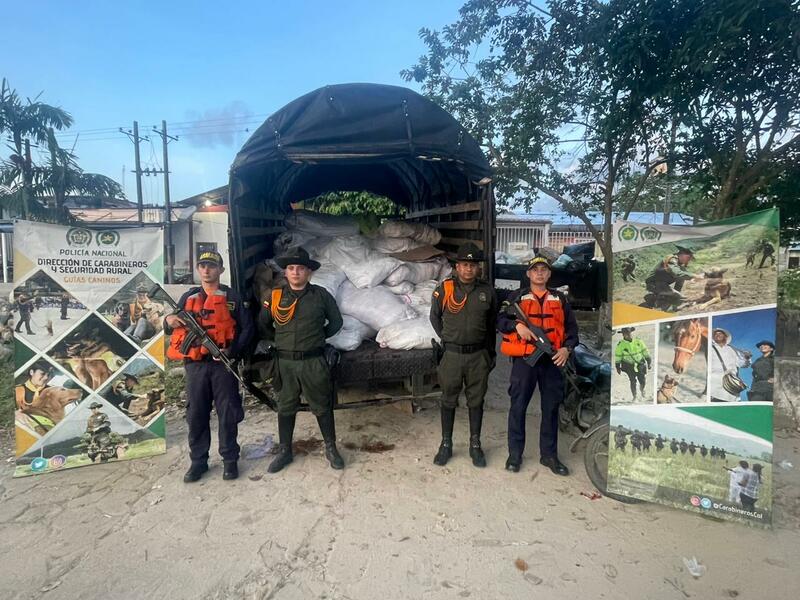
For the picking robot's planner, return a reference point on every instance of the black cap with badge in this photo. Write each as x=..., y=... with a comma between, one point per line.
x=211, y=257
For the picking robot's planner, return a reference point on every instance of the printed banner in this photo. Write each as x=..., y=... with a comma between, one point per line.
x=694, y=317
x=89, y=346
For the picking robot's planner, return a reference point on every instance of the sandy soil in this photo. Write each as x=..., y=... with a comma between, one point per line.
x=391, y=525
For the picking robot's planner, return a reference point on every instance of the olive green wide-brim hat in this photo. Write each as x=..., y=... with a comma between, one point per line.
x=468, y=252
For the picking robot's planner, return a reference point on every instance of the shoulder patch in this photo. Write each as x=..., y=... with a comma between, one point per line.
x=482, y=296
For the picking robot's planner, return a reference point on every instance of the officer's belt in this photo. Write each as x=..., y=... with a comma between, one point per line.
x=465, y=349
x=290, y=355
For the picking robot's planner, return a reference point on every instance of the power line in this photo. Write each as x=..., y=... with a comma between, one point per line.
x=234, y=120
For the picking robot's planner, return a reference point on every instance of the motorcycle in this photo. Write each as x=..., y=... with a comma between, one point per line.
x=587, y=400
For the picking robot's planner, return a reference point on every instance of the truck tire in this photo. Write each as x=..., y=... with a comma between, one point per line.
x=595, y=459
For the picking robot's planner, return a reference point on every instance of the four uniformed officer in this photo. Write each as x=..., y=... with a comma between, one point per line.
x=208, y=383
x=463, y=312
x=550, y=311
x=304, y=315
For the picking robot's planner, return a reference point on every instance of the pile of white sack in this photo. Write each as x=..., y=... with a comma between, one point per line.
x=380, y=297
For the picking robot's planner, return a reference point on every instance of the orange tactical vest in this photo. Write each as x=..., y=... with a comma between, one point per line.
x=549, y=316
x=214, y=316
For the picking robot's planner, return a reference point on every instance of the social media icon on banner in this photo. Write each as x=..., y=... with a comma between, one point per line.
x=58, y=461
x=38, y=464
x=705, y=503
x=695, y=500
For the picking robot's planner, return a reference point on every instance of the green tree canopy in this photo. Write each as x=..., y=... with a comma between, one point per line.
x=708, y=88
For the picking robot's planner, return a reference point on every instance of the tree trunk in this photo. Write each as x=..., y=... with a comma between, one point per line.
x=26, y=180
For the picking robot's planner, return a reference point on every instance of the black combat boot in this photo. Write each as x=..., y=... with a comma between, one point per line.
x=475, y=450
x=513, y=463
x=195, y=472
x=445, y=452
x=327, y=426
x=285, y=433
x=230, y=470
x=555, y=465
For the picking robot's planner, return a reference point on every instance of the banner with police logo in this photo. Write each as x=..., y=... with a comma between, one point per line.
x=89, y=345
x=694, y=318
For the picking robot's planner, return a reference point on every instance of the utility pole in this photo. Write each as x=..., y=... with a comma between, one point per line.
x=170, y=253
x=134, y=136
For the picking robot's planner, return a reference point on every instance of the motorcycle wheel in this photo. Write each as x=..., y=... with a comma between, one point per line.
x=595, y=459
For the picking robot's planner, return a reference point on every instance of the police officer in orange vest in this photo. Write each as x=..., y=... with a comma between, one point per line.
x=220, y=311
x=549, y=310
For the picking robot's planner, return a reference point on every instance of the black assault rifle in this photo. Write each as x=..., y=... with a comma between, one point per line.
x=541, y=343
x=197, y=336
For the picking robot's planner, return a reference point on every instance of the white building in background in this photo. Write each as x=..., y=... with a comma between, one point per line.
x=199, y=223
x=518, y=229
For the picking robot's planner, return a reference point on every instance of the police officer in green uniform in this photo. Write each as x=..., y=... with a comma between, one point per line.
x=632, y=357
x=304, y=315
x=666, y=281
x=463, y=312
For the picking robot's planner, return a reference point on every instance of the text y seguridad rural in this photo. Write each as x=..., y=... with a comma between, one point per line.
x=103, y=266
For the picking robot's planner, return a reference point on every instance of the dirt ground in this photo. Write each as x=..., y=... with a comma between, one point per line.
x=391, y=525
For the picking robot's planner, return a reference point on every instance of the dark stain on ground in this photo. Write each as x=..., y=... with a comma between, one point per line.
x=302, y=447
x=371, y=447
x=360, y=426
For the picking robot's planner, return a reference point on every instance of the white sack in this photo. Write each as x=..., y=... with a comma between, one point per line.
x=376, y=307
x=363, y=266
x=328, y=276
x=389, y=245
x=422, y=295
x=407, y=335
x=352, y=333
x=401, y=289
x=415, y=272
x=315, y=246
x=406, y=229
x=289, y=240
x=321, y=224
x=445, y=270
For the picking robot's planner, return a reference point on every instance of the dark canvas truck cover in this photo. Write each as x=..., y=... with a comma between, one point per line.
x=383, y=139
x=361, y=137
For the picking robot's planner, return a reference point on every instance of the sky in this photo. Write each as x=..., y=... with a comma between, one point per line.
x=229, y=64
